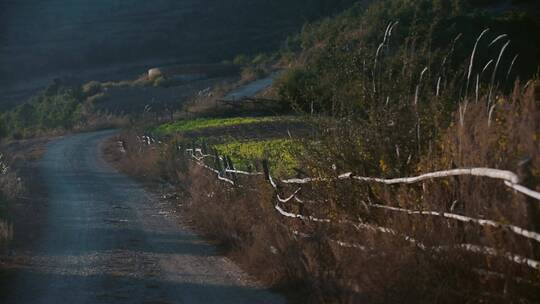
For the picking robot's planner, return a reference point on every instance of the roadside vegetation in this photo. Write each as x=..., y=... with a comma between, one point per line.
x=205, y=123
x=391, y=89
x=386, y=89
x=10, y=188
x=60, y=108
x=281, y=154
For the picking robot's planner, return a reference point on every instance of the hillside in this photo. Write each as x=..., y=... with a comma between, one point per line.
x=112, y=40
x=406, y=168
x=361, y=151
x=335, y=61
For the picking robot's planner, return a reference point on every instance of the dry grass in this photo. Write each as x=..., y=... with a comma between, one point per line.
x=246, y=222
x=207, y=101
x=99, y=121
x=11, y=185
x=243, y=222
x=11, y=188
x=391, y=269
x=305, y=256
x=137, y=160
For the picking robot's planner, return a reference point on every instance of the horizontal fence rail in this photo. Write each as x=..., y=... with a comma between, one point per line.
x=483, y=172
x=509, y=178
x=482, y=222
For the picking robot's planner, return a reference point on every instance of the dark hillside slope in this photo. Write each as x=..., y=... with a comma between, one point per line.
x=335, y=61
x=44, y=39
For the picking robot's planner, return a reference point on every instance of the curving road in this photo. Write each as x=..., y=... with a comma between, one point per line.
x=106, y=240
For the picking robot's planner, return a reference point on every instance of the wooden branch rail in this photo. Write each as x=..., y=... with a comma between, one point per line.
x=297, y=233
x=518, y=259
x=486, y=223
x=510, y=179
x=482, y=172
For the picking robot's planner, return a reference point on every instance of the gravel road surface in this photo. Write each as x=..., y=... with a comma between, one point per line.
x=106, y=240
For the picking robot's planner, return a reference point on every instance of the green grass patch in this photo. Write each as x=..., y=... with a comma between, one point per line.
x=205, y=123
x=279, y=152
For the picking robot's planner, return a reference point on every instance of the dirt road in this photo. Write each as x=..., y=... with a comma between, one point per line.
x=106, y=240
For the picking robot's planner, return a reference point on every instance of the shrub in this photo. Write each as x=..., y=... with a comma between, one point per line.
x=56, y=108
x=259, y=59
x=60, y=111
x=341, y=65
x=378, y=269
x=279, y=152
x=241, y=60
x=296, y=88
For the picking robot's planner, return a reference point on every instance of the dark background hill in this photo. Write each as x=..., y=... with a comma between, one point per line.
x=41, y=40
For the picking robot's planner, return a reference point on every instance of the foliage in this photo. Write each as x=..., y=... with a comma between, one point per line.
x=390, y=76
x=280, y=153
x=3, y=127
x=390, y=104
x=241, y=60
x=59, y=111
x=345, y=65
x=297, y=87
x=58, y=107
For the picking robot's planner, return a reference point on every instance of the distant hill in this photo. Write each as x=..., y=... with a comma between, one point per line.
x=40, y=40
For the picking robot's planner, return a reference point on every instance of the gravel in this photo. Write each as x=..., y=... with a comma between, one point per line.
x=107, y=240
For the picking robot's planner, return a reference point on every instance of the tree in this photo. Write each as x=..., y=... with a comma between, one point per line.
x=24, y=116
x=59, y=111
x=3, y=127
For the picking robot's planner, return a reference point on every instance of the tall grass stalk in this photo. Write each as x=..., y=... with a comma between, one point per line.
x=452, y=49
x=392, y=28
x=495, y=71
x=386, y=32
x=477, y=88
x=497, y=39
x=510, y=68
x=387, y=35
x=416, y=95
x=486, y=67
x=471, y=63
x=490, y=115
x=417, y=91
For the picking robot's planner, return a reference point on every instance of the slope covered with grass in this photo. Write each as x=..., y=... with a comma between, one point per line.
x=392, y=91
x=280, y=153
x=398, y=89
x=369, y=54
x=188, y=125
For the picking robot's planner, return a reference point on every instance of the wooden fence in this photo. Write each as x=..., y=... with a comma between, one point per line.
x=225, y=171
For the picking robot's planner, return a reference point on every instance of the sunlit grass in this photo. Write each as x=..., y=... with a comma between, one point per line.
x=206, y=123
x=280, y=154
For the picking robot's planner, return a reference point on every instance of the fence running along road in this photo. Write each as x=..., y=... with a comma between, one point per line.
x=226, y=172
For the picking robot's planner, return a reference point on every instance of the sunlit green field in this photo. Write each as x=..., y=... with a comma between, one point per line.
x=206, y=123
x=280, y=153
